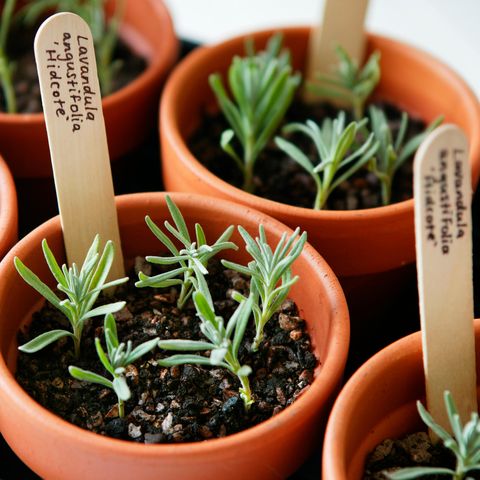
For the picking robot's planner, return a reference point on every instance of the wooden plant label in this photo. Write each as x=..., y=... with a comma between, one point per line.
x=342, y=23
x=442, y=191
x=72, y=105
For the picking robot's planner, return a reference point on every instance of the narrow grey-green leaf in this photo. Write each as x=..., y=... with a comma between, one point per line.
x=183, y=359
x=177, y=217
x=37, y=284
x=185, y=345
x=87, y=376
x=43, y=340
x=120, y=387
x=412, y=473
x=103, y=357
x=141, y=350
x=52, y=264
x=161, y=236
x=104, y=309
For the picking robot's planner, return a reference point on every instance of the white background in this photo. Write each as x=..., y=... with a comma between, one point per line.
x=449, y=29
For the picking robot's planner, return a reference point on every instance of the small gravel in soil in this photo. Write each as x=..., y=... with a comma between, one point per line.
x=414, y=450
x=180, y=403
x=279, y=178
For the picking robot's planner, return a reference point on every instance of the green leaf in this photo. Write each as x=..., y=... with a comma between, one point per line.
x=416, y=472
x=228, y=108
x=110, y=324
x=244, y=310
x=244, y=371
x=92, y=254
x=141, y=350
x=167, y=260
x=87, y=376
x=103, y=357
x=235, y=266
x=104, y=310
x=185, y=345
x=200, y=235
x=103, y=266
x=37, y=284
x=430, y=422
x=296, y=154
x=225, y=236
x=204, y=309
x=177, y=218
x=52, y=264
x=183, y=359
x=217, y=355
x=43, y=340
x=120, y=387
x=161, y=236
x=158, y=280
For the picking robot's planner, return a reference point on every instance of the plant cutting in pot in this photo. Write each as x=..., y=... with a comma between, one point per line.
x=367, y=247
x=379, y=400
x=147, y=31
x=272, y=449
x=213, y=342
x=23, y=139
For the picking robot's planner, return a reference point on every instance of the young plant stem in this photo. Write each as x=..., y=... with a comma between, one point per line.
x=77, y=335
x=246, y=393
x=185, y=293
x=5, y=65
x=386, y=190
x=248, y=165
x=357, y=105
x=121, y=408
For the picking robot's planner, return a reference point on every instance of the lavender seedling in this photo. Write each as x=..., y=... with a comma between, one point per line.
x=193, y=258
x=262, y=85
x=339, y=157
x=104, y=32
x=6, y=66
x=464, y=444
x=270, y=274
x=115, y=361
x=81, y=288
x=391, y=155
x=223, y=341
x=350, y=83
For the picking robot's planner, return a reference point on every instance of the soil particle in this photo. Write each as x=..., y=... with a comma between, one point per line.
x=179, y=403
x=414, y=450
x=279, y=178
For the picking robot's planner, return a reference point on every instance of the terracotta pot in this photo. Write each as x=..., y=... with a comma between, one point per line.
x=56, y=449
x=378, y=402
x=8, y=209
x=353, y=242
x=147, y=29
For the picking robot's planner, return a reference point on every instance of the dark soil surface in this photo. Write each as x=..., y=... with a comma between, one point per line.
x=25, y=79
x=180, y=403
x=415, y=450
x=279, y=178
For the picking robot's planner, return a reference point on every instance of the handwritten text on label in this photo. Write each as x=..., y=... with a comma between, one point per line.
x=69, y=75
x=445, y=205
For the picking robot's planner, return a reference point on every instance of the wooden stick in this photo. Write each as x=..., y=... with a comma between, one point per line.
x=342, y=23
x=442, y=191
x=72, y=105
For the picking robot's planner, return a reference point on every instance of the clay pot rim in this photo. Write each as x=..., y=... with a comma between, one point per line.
x=170, y=128
x=325, y=381
x=8, y=208
x=161, y=59
x=384, y=360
